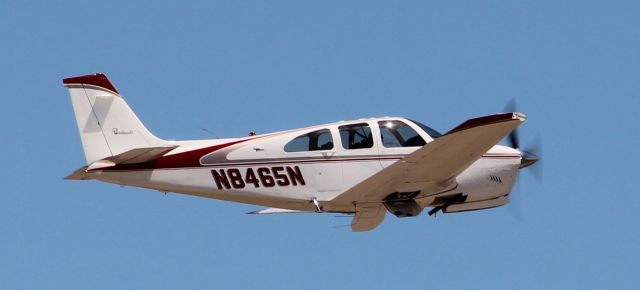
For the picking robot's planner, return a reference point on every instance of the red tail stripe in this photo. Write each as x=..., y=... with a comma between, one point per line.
x=97, y=79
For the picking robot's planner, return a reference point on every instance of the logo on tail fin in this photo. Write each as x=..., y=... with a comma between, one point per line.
x=117, y=131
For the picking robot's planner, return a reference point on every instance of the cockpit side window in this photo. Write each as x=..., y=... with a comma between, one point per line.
x=314, y=141
x=395, y=133
x=356, y=136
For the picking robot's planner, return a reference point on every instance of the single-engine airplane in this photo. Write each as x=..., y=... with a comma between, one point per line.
x=362, y=167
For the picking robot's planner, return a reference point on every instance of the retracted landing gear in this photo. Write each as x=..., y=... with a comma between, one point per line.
x=446, y=201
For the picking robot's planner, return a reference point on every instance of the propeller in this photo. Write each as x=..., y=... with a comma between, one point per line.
x=531, y=154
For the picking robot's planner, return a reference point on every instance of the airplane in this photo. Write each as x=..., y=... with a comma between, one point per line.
x=363, y=167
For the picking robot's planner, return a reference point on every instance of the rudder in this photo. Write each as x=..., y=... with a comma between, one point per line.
x=106, y=123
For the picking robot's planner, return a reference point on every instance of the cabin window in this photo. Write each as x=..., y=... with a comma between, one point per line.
x=395, y=133
x=314, y=141
x=356, y=136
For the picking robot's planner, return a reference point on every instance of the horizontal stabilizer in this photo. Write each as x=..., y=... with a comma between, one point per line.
x=140, y=155
x=79, y=174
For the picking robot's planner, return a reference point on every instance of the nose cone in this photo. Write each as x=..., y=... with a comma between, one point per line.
x=528, y=159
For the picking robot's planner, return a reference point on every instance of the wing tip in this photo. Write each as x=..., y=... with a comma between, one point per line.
x=490, y=119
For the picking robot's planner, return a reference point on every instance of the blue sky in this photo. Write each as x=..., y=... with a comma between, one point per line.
x=239, y=66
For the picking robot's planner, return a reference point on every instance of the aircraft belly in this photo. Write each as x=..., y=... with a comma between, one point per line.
x=199, y=182
x=191, y=180
x=303, y=182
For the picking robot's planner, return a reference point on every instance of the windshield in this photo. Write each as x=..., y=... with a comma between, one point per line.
x=394, y=133
x=433, y=133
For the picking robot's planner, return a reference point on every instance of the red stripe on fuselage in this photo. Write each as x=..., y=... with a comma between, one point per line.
x=179, y=160
x=191, y=159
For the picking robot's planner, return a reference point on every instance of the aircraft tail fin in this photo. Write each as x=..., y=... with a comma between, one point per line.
x=108, y=127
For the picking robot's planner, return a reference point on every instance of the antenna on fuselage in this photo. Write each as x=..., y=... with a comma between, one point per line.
x=210, y=133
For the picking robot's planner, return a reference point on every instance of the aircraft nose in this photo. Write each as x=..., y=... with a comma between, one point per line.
x=528, y=159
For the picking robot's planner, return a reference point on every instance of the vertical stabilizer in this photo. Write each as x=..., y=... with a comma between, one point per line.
x=107, y=125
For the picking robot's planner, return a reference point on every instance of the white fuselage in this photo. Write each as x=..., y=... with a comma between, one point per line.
x=261, y=170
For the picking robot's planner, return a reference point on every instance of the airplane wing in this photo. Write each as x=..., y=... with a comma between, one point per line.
x=368, y=216
x=274, y=210
x=434, y=167
x=140, y=155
